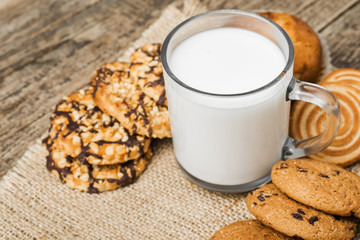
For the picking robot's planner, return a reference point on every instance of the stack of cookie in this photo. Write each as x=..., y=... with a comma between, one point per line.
x=308, y=199
x=308, y=120
x=99, y=138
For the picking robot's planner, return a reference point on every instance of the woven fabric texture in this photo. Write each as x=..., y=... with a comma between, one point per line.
x=162, y=204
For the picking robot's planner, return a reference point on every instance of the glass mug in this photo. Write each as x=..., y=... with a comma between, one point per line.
x=229, y=142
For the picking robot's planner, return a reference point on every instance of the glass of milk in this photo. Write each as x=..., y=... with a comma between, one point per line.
x=229, y=81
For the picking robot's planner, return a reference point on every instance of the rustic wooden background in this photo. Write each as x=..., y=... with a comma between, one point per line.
x=50, y=48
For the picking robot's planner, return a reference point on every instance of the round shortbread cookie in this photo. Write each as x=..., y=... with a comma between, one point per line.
x=324, y=186
x=274, y=209
x=308, y=120
x=119, y=96
x=91, y=178
x=344, y=75
x=248, y=230
x=307, y=46
x=146, y=70
x=85, y=132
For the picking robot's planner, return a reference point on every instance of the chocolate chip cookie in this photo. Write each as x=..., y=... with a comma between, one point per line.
x=146, y=70
x=248, y=230
x=86, y=133
x=119, y=96
x=274, y=209
x=83, y=176
x=321, y=185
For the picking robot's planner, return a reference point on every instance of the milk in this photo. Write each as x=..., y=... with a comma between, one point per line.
x=230, y=140
x=227, y=60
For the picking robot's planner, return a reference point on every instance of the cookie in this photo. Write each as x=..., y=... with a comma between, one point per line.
x=119, y=96
x=86, y=177
x=274, y=209
x=248, y=230
x=146, y=70
x=85, y=132
x=307, y=46
x=344, y=76
x=308, y=120
x=324, y=186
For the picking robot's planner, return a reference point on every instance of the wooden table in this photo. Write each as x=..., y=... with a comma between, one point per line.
x=50, y=48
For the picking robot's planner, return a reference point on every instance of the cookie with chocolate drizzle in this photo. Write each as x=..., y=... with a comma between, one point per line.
x=146, y=70
x=84, y=132
x=274, y=209
x=119, y=96
x=86, y=177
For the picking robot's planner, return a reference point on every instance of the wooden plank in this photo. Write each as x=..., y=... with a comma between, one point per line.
x=343, y=38
x=317, y=13
x=42, y=64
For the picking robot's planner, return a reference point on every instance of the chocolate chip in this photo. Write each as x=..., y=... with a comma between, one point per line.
x=297, y=216
x=69, y=159
x=276, y=194
x=323, y=175
x=267, y=196
x=301, y=211
x=313, y=219
x=337, y=172
x=254, y=203
x=261, y=198
x=302, y=170
x=283, y=165
x=93, y=130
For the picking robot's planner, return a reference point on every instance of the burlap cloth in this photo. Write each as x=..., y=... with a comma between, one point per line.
x=162, y=204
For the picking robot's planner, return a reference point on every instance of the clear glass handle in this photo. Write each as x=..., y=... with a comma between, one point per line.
x=321, y=97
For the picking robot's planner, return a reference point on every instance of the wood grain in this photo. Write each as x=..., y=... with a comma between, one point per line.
x=51, y=48
x=343, y=38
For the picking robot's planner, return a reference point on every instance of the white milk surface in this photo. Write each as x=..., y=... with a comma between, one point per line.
x=221, y=140
x=227, y=60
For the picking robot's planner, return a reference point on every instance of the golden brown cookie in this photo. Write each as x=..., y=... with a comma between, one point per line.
x=307, y=46
x=84, y=132
x=248, y=230
x=274, y=209
x=324, y=186
x=344, y=76
x=119, y=96
x=86, y=177
x=146, y=70
x=308, y=120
